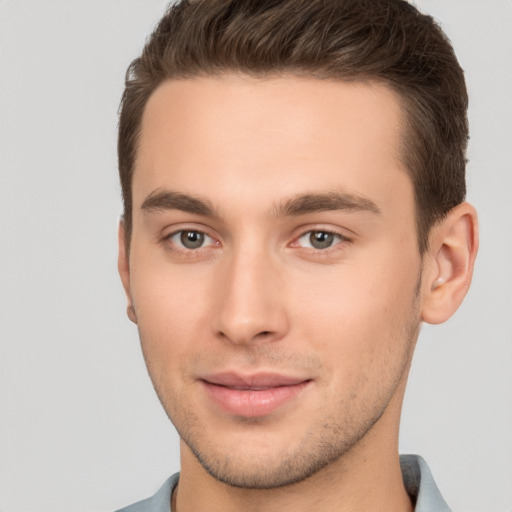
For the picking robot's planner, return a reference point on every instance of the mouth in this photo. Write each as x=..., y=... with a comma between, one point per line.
x=253, y=395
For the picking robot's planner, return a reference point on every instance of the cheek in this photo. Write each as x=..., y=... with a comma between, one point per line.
x=363, y=332
x=359, y=312
x=172, y=309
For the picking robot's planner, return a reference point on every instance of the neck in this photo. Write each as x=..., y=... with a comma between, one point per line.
x=372, y=487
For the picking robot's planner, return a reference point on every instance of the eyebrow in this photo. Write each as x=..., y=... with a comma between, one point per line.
x=310, y=203
x=161, y=200
x=171, y=200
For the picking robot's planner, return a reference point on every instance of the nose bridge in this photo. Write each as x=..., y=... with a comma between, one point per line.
x=250, y=297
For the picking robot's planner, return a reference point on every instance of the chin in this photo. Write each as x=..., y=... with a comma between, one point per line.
x=259, y=464
x=250, y=474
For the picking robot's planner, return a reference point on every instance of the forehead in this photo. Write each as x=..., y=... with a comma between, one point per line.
x=283, y=135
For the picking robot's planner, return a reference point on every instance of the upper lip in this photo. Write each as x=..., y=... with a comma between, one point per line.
x=252, y=381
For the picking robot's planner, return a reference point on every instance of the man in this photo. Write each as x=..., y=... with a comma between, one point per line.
x=293, y=182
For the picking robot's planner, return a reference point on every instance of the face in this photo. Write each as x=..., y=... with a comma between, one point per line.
x=274, y=270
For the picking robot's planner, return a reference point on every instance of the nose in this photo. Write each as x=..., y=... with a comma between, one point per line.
x=250, y=300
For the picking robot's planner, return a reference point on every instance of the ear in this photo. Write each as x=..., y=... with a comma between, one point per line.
x=123, y=265
x=448, y=269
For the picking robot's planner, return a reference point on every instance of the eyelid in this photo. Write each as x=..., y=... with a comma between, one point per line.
x=166, y=238
x=338, y=232
x=206, y=237
x=307, y=244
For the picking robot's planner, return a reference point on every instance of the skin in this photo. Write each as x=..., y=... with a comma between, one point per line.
x=239, y=160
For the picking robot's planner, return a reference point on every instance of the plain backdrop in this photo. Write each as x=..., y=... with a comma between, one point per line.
x=80, y=426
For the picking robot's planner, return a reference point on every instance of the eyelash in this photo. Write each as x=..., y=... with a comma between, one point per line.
x=168, y=242
x=340, y=239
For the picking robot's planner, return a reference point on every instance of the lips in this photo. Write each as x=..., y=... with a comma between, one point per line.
x=252, y=395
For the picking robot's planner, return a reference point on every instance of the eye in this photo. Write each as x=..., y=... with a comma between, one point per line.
x=190, y=239
x=319, y=239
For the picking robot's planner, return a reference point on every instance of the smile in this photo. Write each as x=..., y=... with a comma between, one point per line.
x=252, y=396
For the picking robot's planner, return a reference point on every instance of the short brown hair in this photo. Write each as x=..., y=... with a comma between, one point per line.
x=384, y=40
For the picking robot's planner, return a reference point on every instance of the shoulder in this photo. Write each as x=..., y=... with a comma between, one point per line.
x=159, y=502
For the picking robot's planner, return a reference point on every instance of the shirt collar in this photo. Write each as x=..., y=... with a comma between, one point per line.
x=418, y=482
x=420, y=485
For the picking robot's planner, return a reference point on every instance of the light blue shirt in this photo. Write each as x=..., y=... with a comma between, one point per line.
x=416, y=474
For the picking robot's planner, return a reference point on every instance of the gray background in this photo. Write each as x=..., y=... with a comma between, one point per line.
x=81, y=429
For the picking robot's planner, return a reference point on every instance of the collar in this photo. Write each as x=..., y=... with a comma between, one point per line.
x=420, y=485
x=418, y=482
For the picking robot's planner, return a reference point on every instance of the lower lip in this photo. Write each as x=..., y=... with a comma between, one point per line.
x=253, y=403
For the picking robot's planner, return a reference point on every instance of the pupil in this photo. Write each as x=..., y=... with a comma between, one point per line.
x=192, y=239
x=321, y=239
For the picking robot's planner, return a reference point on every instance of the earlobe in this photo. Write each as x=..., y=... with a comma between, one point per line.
x=123, y=266
x=130, y=311
x=452, y=253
